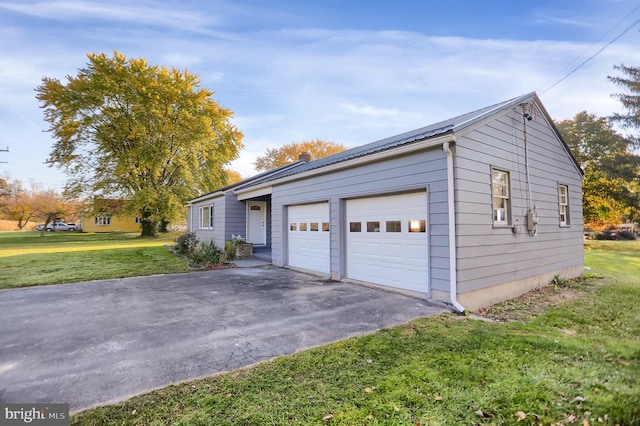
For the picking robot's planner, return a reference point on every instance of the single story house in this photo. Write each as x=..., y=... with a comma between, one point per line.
x=471, y=211
x=107, y=215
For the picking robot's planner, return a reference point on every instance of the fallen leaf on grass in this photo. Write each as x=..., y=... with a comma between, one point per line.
x=368, y=390
x=437, y=397
x=520, y=415
x=585, y=422
x=481, y=413
x=327, y=418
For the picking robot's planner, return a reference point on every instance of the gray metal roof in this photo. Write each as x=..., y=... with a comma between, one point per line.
x=451, y=125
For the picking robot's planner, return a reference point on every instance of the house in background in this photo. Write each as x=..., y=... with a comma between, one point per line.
x=471, y=211
x=106, y=216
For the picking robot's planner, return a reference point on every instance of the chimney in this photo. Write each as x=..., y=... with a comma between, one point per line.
x=304, y=156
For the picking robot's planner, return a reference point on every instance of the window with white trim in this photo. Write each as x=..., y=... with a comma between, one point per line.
x=102, y=220
x=206, y=217
x=500, y=196
x=563, y=204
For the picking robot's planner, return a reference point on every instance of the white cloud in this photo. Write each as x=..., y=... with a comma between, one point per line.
x=116, y=11
x=347, y=86
x=556, y=20
x=370, y=111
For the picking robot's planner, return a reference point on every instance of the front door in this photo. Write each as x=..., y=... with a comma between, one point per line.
x=257, y=222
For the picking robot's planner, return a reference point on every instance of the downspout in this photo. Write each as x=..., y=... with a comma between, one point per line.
x=453, y=275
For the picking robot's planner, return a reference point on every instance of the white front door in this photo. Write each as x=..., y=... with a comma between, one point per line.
x=257, y=222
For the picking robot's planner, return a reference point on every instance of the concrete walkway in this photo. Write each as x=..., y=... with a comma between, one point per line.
x=91, y=343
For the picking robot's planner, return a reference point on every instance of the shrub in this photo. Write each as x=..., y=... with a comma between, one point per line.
x=230, y=249
x=186, y=244
x=207, y=253
x=230, y=246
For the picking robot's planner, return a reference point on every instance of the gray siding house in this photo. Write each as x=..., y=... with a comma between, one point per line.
x=470, y=211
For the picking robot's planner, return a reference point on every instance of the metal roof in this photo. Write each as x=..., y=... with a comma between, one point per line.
x=451, y=125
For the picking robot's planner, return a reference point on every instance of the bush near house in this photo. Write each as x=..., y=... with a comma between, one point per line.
x=186, y=244
x=204, y=253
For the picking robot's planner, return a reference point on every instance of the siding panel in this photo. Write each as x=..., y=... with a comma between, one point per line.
x=489, y=255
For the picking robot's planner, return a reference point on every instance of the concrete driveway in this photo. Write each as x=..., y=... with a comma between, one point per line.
x=90, y=343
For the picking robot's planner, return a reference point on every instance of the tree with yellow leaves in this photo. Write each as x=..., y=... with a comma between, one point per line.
x=148, y=134
x=289, y=153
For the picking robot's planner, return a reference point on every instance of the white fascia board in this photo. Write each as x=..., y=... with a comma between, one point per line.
x=253, y=192
x=369, y=158
x=206, y=197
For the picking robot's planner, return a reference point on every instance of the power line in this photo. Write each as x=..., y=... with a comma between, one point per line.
x=616, y=25
x=4, y=150
x=626, y=30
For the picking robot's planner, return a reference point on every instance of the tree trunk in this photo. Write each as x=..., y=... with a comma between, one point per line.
x=148, y=225
x=163, y=225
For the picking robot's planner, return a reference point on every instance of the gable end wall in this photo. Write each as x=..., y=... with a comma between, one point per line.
x=489, y=256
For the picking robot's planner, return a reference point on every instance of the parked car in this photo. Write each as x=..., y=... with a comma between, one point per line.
x=57, y=226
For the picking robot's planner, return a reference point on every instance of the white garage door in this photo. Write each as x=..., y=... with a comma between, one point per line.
x=308, y=233
x=387, y=241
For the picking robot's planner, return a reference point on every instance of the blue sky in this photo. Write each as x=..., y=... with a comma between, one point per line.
x=347, y=71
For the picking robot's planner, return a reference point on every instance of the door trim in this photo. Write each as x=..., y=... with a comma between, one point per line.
x=259, y=240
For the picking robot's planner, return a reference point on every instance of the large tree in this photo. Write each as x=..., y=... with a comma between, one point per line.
x=611, y=184
x=289, y=153
x=630, y=80
x=148, y=134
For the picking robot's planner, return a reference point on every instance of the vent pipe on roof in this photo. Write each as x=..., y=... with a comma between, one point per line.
x=304, y=156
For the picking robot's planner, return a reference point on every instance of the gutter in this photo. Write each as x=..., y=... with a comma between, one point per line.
x=453, y=274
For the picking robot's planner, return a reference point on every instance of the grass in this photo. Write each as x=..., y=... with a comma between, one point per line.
x=27, y=259
x=575, y=363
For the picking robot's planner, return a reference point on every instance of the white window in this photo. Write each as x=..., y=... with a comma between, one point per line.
x=500, y=196
x=206, y=217
x=102, y=220
x=563, y=204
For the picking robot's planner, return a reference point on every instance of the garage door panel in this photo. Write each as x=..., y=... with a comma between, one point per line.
x=397, y=259
x=308, y=241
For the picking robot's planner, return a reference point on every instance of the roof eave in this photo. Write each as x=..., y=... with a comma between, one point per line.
x=418, y=145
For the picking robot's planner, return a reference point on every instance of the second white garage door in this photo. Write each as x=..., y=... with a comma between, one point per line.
x=308, y=242
x=387, y=241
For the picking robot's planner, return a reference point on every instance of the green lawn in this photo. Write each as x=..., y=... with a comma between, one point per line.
x=577, y=363
x=27, y=259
